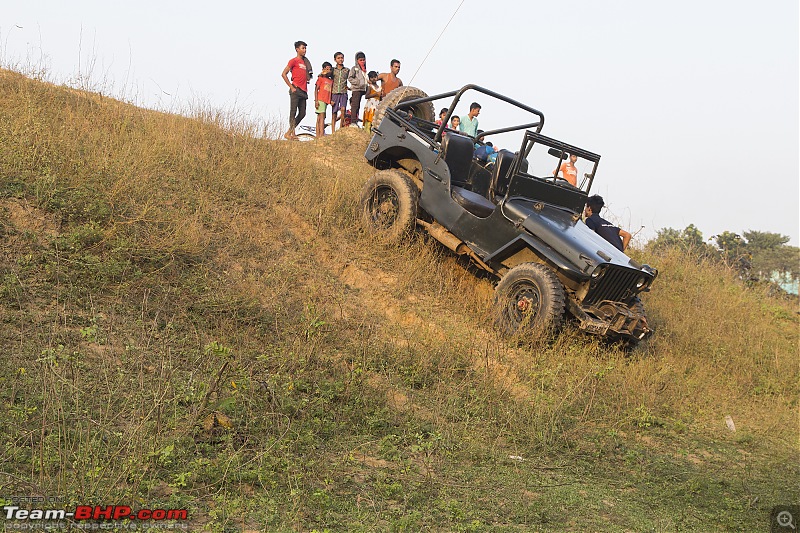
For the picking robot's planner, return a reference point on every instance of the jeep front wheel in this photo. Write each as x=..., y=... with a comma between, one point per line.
x=529, y=299
x=389, y=203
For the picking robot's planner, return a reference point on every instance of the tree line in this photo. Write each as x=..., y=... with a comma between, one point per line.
x=757, y=256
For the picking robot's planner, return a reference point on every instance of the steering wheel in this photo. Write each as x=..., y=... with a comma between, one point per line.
x=564, y=183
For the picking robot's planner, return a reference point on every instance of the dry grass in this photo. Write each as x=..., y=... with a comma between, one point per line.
x=157, y=269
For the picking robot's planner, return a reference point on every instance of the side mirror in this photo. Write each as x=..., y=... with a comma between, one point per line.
x=555, y=152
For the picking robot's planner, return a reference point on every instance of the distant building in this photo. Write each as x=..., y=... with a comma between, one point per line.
x=785, y=281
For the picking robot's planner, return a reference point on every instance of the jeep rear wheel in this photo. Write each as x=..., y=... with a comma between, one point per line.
x=389, y=203
x=529, y=299
x=403, y=94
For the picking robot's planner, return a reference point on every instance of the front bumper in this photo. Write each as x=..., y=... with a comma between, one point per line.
x=611, y=320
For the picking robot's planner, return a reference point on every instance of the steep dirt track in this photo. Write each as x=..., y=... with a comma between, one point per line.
x=382, y=293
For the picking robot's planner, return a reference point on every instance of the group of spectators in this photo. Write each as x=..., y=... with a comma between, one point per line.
x=331, y=88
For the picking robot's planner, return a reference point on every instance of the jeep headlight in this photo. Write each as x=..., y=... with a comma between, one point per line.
x=650, y=270
x=597, y=273
x=641, y=282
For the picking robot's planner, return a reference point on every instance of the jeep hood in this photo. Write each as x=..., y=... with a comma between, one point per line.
x=565, y=233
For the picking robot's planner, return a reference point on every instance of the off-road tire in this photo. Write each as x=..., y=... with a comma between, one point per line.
x=389, y=204
x=529, y=300
x=401, y=94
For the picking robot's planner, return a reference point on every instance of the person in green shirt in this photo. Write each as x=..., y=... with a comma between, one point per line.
x=469, y=122
x=339, y=91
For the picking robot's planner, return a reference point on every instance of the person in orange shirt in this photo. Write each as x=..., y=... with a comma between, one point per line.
x=568, y=170
x=322, y=96
x=389, y=80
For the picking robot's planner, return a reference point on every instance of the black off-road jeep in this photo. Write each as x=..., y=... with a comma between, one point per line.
x=513, y=217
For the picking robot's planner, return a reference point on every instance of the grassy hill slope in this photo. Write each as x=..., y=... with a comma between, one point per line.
x=192, y=318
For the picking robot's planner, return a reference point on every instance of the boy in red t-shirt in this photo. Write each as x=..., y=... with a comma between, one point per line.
x=300, y=67
x=322, y=96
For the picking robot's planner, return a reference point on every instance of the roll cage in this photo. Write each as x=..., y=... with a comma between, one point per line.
x=456, y=95
x=519, y=182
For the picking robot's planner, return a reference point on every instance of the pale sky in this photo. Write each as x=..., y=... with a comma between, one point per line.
x=692, y=104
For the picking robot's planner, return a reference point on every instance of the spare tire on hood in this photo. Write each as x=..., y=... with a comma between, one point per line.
x=425, y=111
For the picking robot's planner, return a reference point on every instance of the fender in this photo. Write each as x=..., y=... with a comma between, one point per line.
x=543, y=250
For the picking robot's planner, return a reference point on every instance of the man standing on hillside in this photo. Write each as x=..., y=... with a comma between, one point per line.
x=358, y=85
x=339, y=95
x=300, y=69
x=389, y=80
x=618, y=237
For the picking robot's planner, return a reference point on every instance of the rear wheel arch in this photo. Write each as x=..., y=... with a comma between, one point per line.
x=412, y=166
x=389, y=203
x=399, y=157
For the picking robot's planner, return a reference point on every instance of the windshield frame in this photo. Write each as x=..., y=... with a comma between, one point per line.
x=531, y=138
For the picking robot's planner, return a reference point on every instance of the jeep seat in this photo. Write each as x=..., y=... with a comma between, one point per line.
x=457, y=150
x=501, y=176
x=473, y=202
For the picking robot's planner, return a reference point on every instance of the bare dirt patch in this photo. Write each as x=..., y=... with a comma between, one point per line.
x=26, y=218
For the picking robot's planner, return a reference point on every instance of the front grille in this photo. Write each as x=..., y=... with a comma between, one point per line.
x=617, y=284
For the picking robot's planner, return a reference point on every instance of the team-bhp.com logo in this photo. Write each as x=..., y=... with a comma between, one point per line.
x=88, y=512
